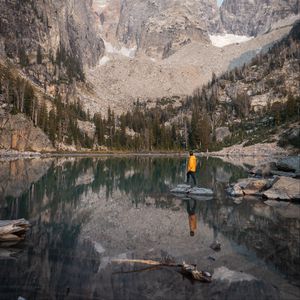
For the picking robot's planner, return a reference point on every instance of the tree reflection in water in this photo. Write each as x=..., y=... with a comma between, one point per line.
x=57, y=263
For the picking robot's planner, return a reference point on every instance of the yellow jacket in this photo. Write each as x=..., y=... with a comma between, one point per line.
x=192, y=165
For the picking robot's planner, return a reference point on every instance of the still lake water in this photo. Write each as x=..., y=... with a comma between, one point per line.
x=85, y=212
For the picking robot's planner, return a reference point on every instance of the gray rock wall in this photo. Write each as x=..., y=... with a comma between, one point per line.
x=18, y=133
x=161, y=27
x=253, y=17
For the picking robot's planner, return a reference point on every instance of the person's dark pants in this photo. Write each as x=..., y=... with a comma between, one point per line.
x=190, y=174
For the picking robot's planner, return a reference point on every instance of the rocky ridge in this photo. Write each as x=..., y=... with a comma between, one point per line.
x=160, y=27
x=18, y=133
x=254, y=17
x=120, y=80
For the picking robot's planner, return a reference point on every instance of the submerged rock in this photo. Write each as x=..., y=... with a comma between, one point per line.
x=233, y=285
x=223, y=273
x=216, y=246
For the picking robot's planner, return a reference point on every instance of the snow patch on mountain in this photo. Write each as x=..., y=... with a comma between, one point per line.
x=228, y=39
x=128, y=52
x=104, y=60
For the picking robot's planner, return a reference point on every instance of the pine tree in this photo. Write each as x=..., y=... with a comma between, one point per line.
x=23, y=58
x=39, y=55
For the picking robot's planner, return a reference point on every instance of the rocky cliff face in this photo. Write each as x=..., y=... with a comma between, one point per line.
x=49, y=38
x=160, y=27
x=253, y=17
x=18, y=133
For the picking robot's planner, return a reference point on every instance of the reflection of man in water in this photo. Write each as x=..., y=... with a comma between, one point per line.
x=192, y=216
x=191, y=168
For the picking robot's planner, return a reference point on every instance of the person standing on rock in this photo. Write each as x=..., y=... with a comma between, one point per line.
x=191, y=168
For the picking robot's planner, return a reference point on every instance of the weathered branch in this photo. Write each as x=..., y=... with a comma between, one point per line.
x=186, y=269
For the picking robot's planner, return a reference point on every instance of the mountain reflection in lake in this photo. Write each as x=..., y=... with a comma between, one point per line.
x=87, y=211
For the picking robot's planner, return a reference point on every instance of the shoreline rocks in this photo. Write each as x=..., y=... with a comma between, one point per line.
x=279, y=187
x=283, y=185
x=285, y=188
x=249, y=186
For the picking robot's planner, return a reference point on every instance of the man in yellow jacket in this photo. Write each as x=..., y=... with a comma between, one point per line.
x=191, y=168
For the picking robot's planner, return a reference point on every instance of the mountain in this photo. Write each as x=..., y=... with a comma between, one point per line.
x=51, y=40
x=45, y=48
x=64, y=63
x=120, y=79
x=160, y=27
x=253, y=103
x=254, y=17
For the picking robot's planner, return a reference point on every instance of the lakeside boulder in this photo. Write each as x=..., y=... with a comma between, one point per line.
x=249, y=186
x=278, y=188
x=289, y=164
x=285, y=188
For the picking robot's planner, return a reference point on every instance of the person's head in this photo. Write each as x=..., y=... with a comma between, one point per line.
x=192, y=233
x=191, y=153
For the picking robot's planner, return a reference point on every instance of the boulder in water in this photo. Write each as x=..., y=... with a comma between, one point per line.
x=181, y=188
x=249, y=186
x=285, y=188
x=186, y=189
x=200, y=191
x=229, y=284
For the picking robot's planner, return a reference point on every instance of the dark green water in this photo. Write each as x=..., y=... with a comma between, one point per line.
x=85, y=212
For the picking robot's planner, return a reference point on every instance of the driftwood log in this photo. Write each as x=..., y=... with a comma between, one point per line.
x=186, y=269
x=13, y=230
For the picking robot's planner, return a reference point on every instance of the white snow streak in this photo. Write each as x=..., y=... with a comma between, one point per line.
x=128, y=52
x=228, y=39
x=104, y=60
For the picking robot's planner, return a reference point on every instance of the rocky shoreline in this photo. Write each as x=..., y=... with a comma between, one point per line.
x=261, y=149
x=273, y=181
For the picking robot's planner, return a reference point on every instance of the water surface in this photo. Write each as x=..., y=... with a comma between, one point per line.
x=85, y=212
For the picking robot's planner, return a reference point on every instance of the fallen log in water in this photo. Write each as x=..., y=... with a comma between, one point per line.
x=186, y=269
x=13, y=230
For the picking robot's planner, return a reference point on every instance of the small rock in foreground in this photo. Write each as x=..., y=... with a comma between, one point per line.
x=216, y=246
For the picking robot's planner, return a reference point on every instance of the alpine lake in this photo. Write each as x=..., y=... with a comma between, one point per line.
x=86, y=212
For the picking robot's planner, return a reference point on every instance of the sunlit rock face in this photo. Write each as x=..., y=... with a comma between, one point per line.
x=253, y=17
x=161, y=27
x=18, y=133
